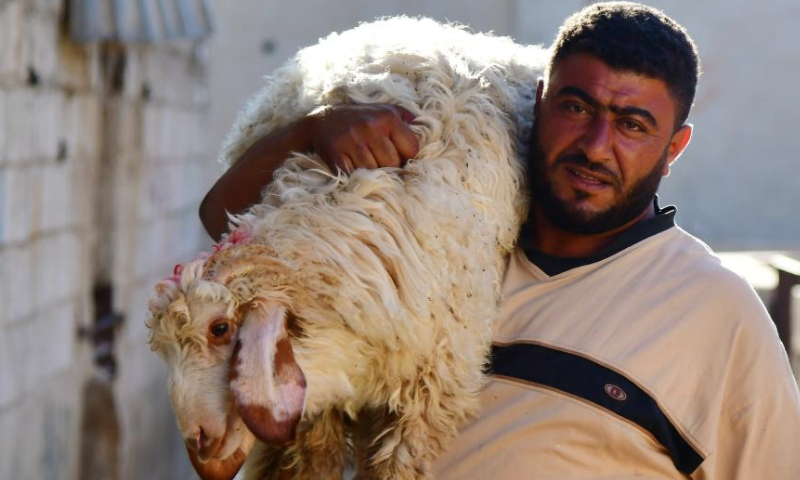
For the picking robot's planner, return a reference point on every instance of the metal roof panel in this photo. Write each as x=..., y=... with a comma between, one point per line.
x=139, y=21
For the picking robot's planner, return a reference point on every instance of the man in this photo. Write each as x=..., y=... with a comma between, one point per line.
x=623, y=348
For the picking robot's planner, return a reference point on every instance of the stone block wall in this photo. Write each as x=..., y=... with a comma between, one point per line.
x=49, y=144
x=103, y=162
x=156, y=123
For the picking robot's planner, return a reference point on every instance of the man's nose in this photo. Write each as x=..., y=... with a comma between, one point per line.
x=597, y=140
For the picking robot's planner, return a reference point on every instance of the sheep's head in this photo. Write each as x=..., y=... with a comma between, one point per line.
x=220, y=325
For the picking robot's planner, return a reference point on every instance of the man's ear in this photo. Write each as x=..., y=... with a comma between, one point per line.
x=539, y=95
x=680, y=140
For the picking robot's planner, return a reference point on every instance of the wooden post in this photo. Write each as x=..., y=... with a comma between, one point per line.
x=781, y=305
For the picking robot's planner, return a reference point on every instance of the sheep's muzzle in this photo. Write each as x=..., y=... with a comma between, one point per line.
x=224, y=469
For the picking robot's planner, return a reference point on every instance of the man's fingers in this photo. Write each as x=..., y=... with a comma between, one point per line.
x=404, y=114
x=402, y=136
x=345, y=163
x=334, y=159
x=405, y=141
x=362, y=156
x=364, y=136
x=385, y=153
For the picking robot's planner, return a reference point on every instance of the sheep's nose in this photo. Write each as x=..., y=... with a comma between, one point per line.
x=198, y=440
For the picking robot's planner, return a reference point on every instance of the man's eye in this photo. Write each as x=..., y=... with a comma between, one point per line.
x=632, y=126
x=219, y=329
x=574, y=108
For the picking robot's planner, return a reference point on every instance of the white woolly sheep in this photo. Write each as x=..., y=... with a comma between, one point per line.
x=361, y=299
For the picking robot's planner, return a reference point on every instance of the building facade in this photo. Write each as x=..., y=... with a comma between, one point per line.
x=102, y=166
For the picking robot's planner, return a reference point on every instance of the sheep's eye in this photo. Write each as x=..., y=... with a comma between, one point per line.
x=219, y=329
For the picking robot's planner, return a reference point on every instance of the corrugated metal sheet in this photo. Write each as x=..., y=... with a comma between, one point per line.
x=139, y=21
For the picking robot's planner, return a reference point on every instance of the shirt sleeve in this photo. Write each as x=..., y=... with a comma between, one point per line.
x=758, y=432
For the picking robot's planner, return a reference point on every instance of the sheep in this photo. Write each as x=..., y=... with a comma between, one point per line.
x=365, y=300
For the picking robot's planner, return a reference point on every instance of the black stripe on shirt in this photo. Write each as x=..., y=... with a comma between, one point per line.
x=591, y=381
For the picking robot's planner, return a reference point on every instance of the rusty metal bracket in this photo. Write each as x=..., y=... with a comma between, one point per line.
x=101, y=332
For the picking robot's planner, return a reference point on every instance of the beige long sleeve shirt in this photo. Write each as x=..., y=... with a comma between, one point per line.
x=652, y=363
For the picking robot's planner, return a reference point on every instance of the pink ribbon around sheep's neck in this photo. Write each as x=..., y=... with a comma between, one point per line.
x=236, y=237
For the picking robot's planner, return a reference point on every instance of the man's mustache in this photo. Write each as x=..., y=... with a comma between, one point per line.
x=582, y=161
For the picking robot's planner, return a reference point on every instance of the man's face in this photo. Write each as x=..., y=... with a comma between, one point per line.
x=602, y=141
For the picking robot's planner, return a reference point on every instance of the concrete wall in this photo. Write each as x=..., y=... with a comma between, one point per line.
x=156, y=160
x=737, y=185
x=45, y=227
x=102, y=166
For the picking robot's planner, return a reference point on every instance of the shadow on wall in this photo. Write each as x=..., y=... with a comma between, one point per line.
x=100, y=432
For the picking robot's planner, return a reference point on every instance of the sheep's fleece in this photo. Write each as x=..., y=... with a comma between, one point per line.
x=357, y=309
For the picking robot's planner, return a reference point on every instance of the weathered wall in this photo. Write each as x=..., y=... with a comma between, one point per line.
x=49, y=145
x=156, y=160
x=102, y=166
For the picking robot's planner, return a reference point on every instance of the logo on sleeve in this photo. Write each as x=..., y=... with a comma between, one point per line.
x=615, y=392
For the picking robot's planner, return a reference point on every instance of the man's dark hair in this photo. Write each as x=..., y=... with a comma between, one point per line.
x=637, y=38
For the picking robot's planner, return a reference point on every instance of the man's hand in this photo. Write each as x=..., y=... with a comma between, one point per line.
x=362, y=136
x=346, y=137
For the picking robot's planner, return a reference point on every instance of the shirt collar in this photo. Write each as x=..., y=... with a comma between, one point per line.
x=552, y=265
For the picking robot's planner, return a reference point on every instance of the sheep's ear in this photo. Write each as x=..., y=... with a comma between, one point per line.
x=224, y=469
x=268, y=386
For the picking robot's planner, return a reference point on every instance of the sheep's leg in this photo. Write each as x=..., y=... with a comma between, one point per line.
x=320, y=449
x=365, y=430
x=406, y=450
x=403, y=452
x=268, y=462
x=420, y=432
x=318, y=452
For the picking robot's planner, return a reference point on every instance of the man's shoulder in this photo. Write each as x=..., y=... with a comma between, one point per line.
x=689, y=265
x=681, y=251
x=716, y=287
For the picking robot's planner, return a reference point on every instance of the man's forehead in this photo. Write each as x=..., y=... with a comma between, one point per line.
x=609, y=86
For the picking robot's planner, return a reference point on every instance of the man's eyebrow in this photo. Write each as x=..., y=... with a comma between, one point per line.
x=636, y=111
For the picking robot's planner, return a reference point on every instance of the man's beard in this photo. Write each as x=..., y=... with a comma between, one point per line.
x=625, y=209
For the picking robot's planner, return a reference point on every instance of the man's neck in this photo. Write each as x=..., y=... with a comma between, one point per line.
x=552, y=240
